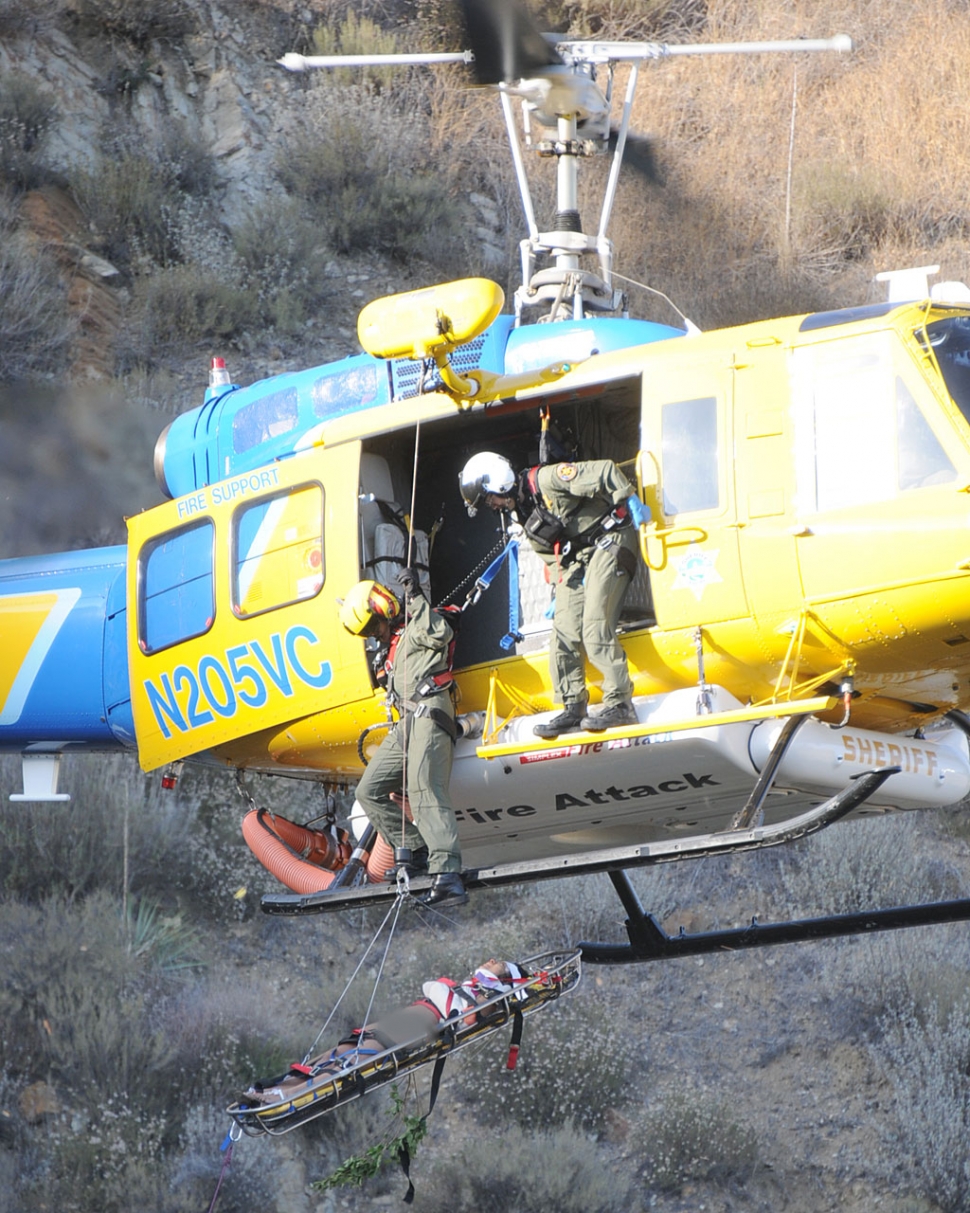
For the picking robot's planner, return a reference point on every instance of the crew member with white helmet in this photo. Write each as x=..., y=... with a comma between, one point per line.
x=577, y=516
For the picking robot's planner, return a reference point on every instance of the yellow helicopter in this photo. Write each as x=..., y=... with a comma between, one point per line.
x=798, y=631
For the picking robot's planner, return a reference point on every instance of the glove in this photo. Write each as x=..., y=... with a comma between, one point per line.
x=638, y=511
x=410, y=583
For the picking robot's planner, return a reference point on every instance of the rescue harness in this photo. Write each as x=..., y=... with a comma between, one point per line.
x=419, y=704
x=547, y=528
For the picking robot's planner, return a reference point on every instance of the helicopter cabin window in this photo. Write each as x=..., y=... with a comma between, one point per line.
x=860, y=435
x=950, y=342
x=278, y=551
x=268, y=417
x=922, y=461
x=335, y=393
x=689, y=453
x=176, y=599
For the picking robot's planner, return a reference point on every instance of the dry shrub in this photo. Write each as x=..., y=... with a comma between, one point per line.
x=530, y=1171
x=135, y=21
x=27, y=115
x=29, y=17
x=572, y=1070
x=359, y=164
x=184, y=303
x=694, y=1136
x=865, y=864
x=636, y=20
x=145, y=200
x=927, y=1059
x=874, y=183
x=35, y=327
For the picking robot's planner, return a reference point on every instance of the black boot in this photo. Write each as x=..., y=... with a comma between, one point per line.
x=447, y=889
x=611, y=718
x=417, y=866
x=569, y=720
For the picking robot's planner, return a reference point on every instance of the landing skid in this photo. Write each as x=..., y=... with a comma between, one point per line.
x=613, y=861
x=649, y=941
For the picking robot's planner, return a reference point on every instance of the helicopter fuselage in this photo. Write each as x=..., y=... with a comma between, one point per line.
x=807, y=479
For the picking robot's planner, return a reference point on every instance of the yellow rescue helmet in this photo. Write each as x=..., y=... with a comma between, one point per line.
x=366, y=603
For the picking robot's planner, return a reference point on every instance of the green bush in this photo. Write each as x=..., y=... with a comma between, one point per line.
x=692, y=1136
x=27, y=114
x=529, y=1171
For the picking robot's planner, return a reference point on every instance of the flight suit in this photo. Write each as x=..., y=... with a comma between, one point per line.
x=422, y=650
x=592, y=582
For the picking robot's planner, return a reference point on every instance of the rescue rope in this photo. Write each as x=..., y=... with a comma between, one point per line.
x=231, y=1137
x=405, y=731
x=394, y=911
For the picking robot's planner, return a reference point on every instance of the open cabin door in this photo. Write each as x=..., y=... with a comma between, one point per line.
x=234, y=587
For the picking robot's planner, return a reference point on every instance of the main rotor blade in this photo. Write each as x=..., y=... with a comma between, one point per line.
x=507, y=44
x=589, y=51
x=301, y=63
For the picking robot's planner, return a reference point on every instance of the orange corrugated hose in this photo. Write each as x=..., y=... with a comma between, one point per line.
x=379, y=860
x=304, y=859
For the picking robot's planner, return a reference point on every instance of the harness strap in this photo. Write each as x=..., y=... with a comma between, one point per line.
x=516, y=1039
x=404, y=1153
x=435, y=715
x=612, y=520
x=485, y=580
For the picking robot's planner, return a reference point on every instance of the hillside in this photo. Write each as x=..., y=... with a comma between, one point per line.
x=168, y=193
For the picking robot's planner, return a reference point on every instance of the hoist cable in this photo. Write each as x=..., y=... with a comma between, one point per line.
x=405, y=731
x=395, y=910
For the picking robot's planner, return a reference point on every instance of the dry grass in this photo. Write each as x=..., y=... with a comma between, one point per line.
x=877, y=164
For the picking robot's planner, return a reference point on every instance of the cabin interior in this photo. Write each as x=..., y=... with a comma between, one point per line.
x=603, y=423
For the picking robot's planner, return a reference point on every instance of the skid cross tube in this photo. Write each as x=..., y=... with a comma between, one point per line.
x=753, y=811
x=649, y=941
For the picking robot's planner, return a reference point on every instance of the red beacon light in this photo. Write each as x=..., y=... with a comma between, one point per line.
x=219, y=380
x=218, y=375
x=171, y=776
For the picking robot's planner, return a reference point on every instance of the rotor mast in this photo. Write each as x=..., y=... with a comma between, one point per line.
x=555, y=79
x=569, y=290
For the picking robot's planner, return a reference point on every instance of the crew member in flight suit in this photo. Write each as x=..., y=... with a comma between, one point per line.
x=415, y=660
x=577, y=517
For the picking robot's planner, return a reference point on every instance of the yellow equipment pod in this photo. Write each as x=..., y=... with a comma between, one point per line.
x=421, y=324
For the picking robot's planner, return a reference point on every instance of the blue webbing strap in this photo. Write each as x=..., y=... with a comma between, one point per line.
x=513, y=635
x=486, y=579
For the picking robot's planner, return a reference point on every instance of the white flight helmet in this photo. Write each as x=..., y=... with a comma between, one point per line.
x=484, y=473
